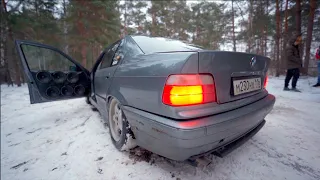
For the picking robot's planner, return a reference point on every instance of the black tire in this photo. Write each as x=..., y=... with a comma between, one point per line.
x=126, y=139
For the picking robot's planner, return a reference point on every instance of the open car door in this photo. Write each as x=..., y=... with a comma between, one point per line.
x=52, y=75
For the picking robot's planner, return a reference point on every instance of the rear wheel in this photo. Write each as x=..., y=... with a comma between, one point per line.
x=121, y=135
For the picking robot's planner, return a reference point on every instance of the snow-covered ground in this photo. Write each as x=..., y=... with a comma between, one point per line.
x=67, y=140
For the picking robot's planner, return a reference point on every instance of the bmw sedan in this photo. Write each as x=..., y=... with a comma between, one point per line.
x=170, y=97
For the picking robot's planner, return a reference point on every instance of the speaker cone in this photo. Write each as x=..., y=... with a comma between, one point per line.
x=52, y=92
x=43, y=76
x=79, y=90
x=67, y=90
x=73, y=77
x=59, y=77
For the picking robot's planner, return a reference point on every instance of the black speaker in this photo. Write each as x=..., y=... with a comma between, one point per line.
x=79, y=90
x=67, y=90
x=73, y=77
x=43, y=77
x=59, y=77
x=52, y=92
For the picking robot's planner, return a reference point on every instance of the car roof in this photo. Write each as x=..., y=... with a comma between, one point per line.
x=160, y=44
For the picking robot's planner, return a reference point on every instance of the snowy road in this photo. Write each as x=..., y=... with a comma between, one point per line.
x=67, y=140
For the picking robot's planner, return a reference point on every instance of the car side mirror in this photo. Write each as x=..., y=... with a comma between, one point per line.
x=117, y=59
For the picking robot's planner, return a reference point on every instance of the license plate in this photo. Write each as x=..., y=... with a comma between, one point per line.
x=246, y=85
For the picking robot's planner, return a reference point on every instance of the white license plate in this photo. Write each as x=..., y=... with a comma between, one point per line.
x=246, y=85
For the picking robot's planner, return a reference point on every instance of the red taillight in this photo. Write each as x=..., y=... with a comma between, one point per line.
x=265, y=83
x=189, y=89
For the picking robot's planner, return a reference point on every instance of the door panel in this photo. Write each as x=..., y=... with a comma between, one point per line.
x=52, y=75
x=103, y=79
x=104, y=75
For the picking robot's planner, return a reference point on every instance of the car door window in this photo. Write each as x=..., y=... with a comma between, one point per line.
x=39, y=58
x=119, y=54
x=126, y=51
x=107, y=59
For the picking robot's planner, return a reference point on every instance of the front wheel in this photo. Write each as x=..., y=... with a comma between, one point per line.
x=121, y=135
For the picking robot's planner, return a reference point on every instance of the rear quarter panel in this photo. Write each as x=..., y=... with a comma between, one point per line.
x=139, y=82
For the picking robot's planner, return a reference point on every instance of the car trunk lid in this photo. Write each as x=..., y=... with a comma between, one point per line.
x=227, y=67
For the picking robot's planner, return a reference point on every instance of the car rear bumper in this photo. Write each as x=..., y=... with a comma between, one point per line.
x=181, y=140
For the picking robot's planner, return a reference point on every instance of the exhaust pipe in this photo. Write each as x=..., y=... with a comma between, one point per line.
x=200, y=162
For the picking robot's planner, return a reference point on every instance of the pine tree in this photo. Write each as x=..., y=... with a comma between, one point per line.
x=133, y=18
x=156, y=11
x=92, y=23
x=209, y=24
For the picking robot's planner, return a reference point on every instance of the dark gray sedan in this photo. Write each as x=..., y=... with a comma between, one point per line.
x=169, y=97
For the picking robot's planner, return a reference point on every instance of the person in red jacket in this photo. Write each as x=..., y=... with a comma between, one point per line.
x=318, y=62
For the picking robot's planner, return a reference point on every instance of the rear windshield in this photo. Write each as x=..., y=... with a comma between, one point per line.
x=159, y=44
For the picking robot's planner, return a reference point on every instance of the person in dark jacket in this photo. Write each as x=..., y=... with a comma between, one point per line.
x=294, y=62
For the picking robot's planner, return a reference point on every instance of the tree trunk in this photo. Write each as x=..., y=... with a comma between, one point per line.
x=233, y=34
x=285, y=36
x=5, y=76
x=266, y=31
x=4, y=73
x=281, y=39
x=65, y=27
x=250, y=26
x=298, y=23
x=153, y=26
x=277, y=37
x=257, y=46
x=125, y=19
x=82, y=32
x=274, y=52
x=262, y=43
x=309, y=34
x=9, y=47
x=298, y=16
x=286, y=17
x=261, y=38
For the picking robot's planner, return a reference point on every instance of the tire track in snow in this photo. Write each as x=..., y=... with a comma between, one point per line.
x=286, y=160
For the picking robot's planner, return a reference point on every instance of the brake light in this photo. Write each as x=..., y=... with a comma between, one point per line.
x=189, y=89
x=265, y=83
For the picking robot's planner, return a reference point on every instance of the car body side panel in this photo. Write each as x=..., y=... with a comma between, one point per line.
x=192, y=65
x=140, y=81
x=103, y=81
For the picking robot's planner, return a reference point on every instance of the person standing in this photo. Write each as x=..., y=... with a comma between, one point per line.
x=294, y=62
x=318, y=62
